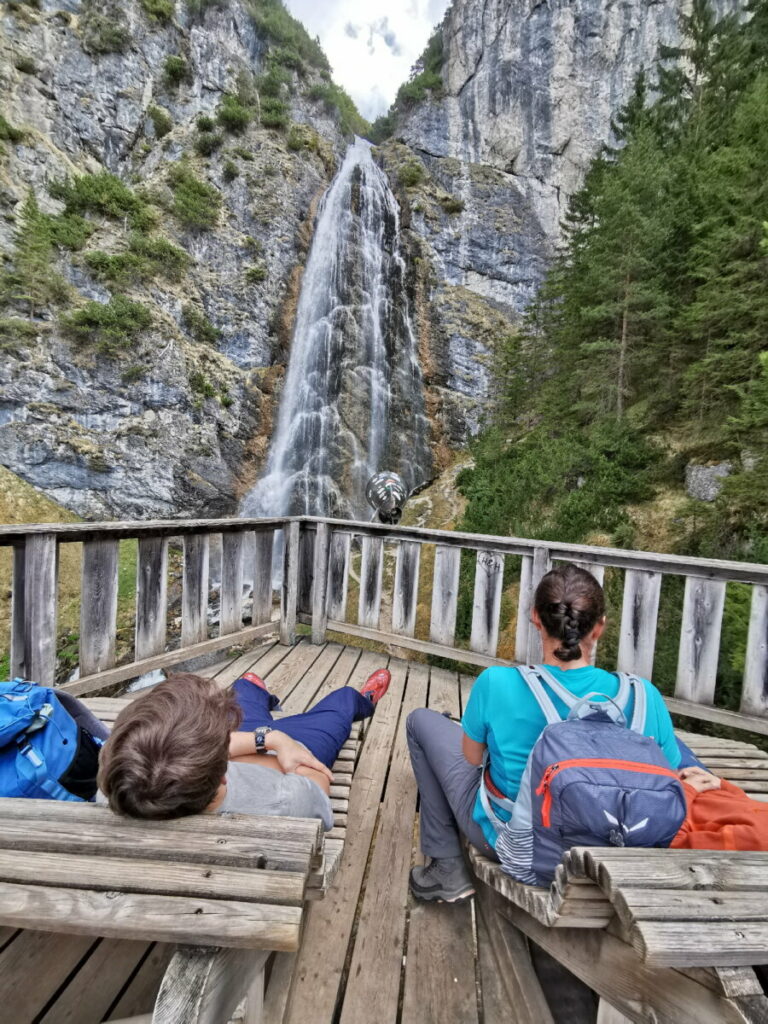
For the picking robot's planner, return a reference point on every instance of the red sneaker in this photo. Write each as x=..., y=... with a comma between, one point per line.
x=376, y=685
x=253, y=678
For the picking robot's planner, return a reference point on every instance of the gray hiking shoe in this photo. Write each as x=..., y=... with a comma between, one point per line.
x=445, y=879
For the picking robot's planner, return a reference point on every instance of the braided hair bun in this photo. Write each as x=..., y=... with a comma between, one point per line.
x=570, y=602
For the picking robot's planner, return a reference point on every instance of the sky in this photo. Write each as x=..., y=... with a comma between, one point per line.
x=371, y=44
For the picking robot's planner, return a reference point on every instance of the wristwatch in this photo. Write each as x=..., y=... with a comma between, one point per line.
x=260, y=738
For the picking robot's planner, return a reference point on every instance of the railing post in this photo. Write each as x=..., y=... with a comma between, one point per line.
x=541, y=566
x=98, y=605
x=320, y=583
x=40, y=566
x=17, y=609
x=290, y=590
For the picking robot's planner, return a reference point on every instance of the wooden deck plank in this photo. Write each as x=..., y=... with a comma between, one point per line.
x=307, y=682
x=322, y=956
x=44, y=956
x=285, y=677
x=381, y=926
x=99, y=981
x=440, y=967
x=154, y=918
x=259, y=660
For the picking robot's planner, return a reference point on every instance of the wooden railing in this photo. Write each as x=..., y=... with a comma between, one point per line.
x=337, y=576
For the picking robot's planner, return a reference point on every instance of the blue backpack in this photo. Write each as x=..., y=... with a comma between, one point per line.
x=591, y=780
x=49, y=744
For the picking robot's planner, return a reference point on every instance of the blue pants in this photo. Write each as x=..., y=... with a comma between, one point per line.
x=323, y=729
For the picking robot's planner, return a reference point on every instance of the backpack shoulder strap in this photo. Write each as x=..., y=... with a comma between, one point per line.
x=532, y=675
x=555, y=685
x=629, y=683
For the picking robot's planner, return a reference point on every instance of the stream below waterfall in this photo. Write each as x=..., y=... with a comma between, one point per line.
x=353, y=399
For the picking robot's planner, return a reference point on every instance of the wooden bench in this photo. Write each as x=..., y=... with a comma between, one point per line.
x=662, y=935
x=102, y=918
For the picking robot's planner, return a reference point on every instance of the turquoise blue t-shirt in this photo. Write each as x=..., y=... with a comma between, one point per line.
x=503, y=713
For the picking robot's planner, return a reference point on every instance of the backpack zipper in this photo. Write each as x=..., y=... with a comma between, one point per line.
x=589, y=762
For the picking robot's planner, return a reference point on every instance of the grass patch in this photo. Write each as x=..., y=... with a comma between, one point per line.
x=196, y=204
x=452, y=205
x=256, y=274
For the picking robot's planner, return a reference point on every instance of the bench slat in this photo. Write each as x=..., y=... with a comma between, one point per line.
x=112, y=839
x=150, y=917
x=74, y=871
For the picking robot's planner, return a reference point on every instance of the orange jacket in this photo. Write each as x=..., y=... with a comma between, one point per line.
x=723, y=819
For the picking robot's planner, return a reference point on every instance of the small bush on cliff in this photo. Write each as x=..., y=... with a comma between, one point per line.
x=69, y=230
x=452, y=204
x=274, y=82
x=195, y=204
x=207, y=143
x=411, y=174
x=256, y=274
x=103, y=193
x=175, y=71
x=230, y=171
x=197, y=8
x=199, y=326
x=200, y=383
x=274, y=113
x=232, y=115
x=145, y=258
x=205, y=123
x=109, y=326
x=104, y=27
x=159, y=10
x=161, y=121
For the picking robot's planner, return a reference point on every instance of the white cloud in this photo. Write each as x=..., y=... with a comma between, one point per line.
x=371, y=46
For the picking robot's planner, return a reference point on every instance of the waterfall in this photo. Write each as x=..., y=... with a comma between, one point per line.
x=353, y=401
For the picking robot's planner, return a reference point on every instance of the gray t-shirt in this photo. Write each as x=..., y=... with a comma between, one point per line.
x=254, y=789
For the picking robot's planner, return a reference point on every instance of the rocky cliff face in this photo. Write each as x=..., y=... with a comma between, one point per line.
x=171, y=418
x=529, y=89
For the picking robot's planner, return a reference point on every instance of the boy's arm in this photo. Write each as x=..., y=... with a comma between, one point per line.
x=290, y=755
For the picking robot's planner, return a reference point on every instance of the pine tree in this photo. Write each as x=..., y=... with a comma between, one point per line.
x=34, y=280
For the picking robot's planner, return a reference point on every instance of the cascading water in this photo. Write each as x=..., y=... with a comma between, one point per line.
x=353, y=400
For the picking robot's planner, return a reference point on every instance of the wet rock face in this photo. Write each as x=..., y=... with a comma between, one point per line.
x=170, y=424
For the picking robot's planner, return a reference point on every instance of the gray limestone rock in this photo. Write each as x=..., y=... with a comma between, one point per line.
x=704, y=482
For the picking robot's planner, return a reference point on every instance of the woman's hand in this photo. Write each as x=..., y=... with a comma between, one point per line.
x=699, y=779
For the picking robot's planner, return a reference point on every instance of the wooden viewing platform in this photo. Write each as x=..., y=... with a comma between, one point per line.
x=659, y=935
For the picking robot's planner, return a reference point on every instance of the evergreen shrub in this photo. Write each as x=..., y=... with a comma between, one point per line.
x=205, y=123
x=274, y=113
x=411, y=174
x=196, y=204
x=159, y=10
x=175, y=71
x=232, y=115
x=109, y=326
x=230, y=171
x=207, y=143
x=161, y=121
x=199, y=326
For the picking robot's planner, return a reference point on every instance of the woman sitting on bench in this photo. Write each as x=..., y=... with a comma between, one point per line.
x=503, y=716
x=187, y=746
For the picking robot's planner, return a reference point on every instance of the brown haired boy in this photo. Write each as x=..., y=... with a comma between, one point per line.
x=186, y=746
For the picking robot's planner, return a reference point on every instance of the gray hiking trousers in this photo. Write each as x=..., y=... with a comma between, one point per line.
x=448, y=785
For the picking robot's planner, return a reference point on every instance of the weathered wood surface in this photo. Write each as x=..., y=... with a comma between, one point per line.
x=319, y=584
x=205, y=987
x=98, y=605
x=38, y=627
x=289, y=594
x=261, y=571
x=371, y=572
x=754, y=697
x=700, y=640
x=194, y=600
x=307, y=568
x=231, y=594
x=18, y=626
x=151, y=597
x=338, y=575
x=445, y=596
x=486, y=603
x=406, y=593
x=639, y=614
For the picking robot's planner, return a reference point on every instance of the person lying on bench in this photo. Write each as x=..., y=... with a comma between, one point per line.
x=187, y=746
x=720, y=815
